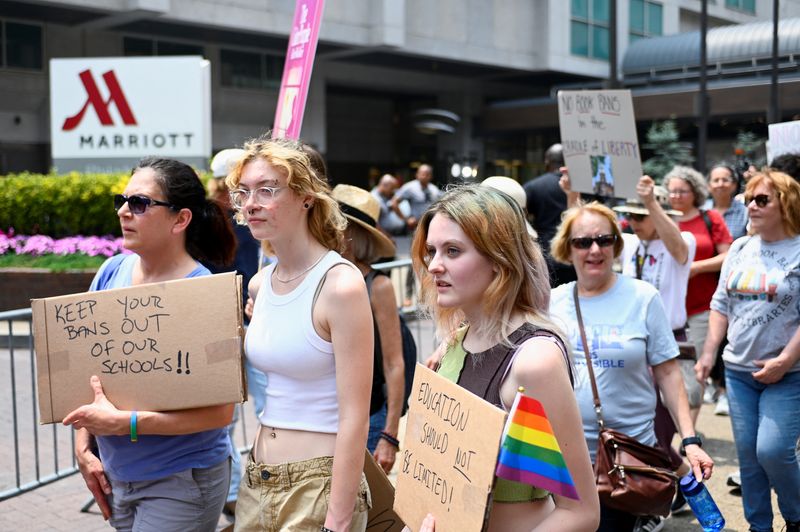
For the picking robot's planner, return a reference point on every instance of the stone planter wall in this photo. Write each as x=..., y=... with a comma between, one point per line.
x=19, y=285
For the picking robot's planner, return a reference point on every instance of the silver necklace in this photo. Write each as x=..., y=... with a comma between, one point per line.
x=299, y=275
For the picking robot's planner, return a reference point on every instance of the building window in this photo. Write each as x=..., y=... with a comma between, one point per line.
x=134, y=46
x=589, y=28
x=250, y=70
x=21, y=46
x=646, y=19
x=742, y=5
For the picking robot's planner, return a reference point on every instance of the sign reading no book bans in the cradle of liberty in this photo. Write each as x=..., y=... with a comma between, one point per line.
x=601, y=149
x=160, y=346
x=447, y=463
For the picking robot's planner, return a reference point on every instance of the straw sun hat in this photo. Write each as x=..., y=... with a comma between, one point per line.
x=361, y=207
x=635, y=206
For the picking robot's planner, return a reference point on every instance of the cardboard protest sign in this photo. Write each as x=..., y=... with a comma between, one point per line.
x=160, y=346
x=297, y=68
x=783, y=138
x=601, y=149
x=450, y=452
x=381, y=517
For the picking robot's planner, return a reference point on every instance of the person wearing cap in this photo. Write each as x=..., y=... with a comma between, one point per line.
x=661, y=254
x=245, y=263
x=513, y=189
x=364, y=244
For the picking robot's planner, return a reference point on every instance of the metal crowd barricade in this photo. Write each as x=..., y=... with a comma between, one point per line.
x=41, y=454
x=406, y=293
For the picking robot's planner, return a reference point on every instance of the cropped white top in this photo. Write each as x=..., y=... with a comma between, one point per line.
x=281, y=342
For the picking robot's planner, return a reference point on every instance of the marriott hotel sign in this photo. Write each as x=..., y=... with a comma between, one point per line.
x=106, y=113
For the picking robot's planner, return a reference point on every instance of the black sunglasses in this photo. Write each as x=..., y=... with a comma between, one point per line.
x=635, y=216
x=761, y=200
x=585, y=242
x=138, y=204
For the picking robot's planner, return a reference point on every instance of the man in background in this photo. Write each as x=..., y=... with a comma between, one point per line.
x=389, y=222
x=546, y=201
x=419, y=193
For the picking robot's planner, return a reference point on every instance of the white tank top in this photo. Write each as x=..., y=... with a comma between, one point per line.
x=282, y=343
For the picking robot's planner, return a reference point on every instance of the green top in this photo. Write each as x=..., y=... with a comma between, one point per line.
x=504, y=490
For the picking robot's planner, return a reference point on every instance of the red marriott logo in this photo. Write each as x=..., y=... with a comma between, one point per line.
x=94, y=99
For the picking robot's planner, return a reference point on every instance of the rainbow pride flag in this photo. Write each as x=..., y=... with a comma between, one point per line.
x=529, y=452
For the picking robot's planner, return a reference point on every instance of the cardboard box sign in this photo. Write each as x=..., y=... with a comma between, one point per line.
x=160, y=346
x=381, y=517
x=447, y=464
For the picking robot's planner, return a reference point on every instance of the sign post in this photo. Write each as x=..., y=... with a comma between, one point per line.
x=297, y=68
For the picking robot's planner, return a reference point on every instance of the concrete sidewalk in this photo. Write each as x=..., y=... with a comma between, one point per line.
x=56, y=507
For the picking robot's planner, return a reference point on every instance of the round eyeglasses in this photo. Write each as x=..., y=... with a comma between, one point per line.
x=261, y=195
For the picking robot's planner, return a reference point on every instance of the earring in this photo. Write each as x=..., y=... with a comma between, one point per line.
x=306, y=205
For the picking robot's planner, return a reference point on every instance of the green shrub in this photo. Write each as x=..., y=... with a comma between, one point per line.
x=60, y=205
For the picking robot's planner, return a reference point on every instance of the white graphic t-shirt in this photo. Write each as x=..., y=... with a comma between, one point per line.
x=660, y=270
x=759, y=292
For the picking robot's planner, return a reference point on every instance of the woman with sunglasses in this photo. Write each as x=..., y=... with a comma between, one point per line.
x=486, y=283
x=174, y=476
x=757, y=303
x=311, y=334
x=630, y=337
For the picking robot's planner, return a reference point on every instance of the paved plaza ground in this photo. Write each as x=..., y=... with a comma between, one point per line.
x=56, y=506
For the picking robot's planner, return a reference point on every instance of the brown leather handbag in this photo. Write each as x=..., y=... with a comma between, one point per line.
x=630, y=476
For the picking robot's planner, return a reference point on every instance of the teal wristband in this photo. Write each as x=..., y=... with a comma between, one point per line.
x=134, y=419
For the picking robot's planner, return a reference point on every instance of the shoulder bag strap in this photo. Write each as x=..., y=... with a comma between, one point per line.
x=598, y=409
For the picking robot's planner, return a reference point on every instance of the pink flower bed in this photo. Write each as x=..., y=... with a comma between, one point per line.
x=37, y=245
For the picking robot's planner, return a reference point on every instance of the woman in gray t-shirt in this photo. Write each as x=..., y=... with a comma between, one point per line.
x=757, y=301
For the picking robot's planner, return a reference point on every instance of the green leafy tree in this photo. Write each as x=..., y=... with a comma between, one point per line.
x=663, y=139
x=751, y=147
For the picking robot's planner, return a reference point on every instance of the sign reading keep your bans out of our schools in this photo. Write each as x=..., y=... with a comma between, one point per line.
x=601, y=148
x=160, y=346
x=447, y=466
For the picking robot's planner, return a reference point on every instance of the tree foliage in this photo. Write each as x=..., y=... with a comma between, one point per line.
x=668, y=150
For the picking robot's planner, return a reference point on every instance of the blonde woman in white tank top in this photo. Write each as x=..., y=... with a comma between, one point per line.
x=311, y=333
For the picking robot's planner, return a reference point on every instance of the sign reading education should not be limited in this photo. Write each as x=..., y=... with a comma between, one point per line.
x=447, y=465
x=601, y=149
x=160, y=346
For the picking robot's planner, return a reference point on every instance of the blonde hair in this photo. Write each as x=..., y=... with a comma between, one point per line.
x=325, y=220
x=496, y=226
x=560, y=246
x=788, y=192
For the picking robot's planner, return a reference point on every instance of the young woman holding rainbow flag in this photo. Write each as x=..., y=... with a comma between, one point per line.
x=485, y=282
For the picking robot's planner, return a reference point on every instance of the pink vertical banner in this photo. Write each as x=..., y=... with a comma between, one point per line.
x=297, y=68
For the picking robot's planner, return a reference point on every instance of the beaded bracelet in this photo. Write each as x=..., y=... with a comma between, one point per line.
x=391, y=439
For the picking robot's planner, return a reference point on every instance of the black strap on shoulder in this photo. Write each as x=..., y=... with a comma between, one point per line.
x=707, y=220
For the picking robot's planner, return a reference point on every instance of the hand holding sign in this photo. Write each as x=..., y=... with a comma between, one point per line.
x=100, y=417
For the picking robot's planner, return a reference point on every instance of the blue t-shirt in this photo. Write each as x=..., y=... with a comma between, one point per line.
x=154, y=457
x=629, y=332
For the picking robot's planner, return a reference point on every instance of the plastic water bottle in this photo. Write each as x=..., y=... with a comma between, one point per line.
x=701, y=503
